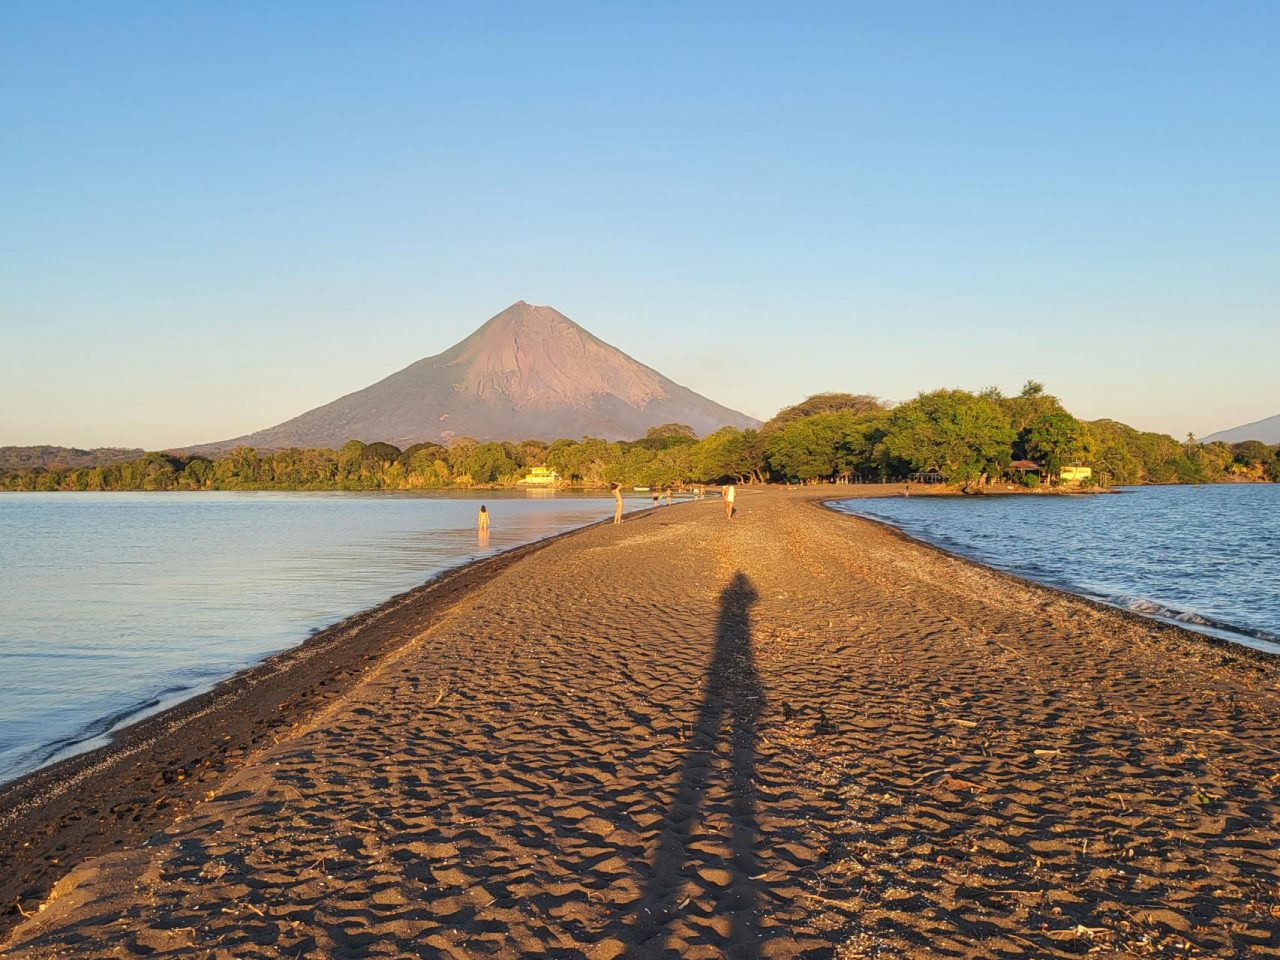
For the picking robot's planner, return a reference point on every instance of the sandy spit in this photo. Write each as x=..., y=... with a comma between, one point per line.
x=797, y=734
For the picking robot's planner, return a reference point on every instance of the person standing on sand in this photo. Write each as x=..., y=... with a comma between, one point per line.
x=727, y=494
x=617, y=501
x=670, y=496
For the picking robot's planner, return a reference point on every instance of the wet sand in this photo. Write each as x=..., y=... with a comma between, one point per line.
x=799, y=734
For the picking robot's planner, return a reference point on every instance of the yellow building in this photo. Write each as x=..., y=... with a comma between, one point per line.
x=1075, y=474
x=541, y=477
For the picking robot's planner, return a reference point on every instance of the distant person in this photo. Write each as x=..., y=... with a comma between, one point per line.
x=656, y=495
x=482, y=521
x=617, y=501
x=907, y=492
x=670, y=496
x=727, y=494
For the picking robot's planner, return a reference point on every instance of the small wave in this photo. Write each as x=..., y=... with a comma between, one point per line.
x=100, y=726
x=1189, y=618
x=88, y=736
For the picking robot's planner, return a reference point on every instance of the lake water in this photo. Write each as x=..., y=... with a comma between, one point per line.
x=1205, y=557
x=116, y=605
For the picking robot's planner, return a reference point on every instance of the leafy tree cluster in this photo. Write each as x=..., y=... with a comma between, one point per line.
x=667, y=455
x=49, y=457
x=972, y=438
x=968, y=438
x=1132, y=456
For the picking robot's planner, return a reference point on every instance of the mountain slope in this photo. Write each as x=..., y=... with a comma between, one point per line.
x=1268, y=431
x=528, y=373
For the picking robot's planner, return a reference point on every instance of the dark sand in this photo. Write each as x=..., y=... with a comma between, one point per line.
x=795, y=735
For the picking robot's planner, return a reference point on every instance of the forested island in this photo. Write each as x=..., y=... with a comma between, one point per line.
x=965, y=438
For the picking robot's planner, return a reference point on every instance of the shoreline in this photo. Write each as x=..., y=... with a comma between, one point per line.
x=70, y=750
x=39, y=820
x=628, y=490
x=1234, y=638
x=157, y=775
x=140, y=702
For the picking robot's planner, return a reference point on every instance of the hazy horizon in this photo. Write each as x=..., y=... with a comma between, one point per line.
x=219, y=218
x=1008, y=388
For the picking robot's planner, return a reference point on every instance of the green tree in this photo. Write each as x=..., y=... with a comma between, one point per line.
x=824, y=445
x=682, y=430
x=1250, y=452
x=855, y=403
x=197, y=472
x=728, y=454
x=589, y=461
x=670, y=467
x=485, y=463
x=962, y=435
x=1160, y=458
x=1216, y=458
x=380, y=453
x=531, y=453
x=157, y=472
x=1031, y=404
x=349, y=459
x=1054, y=440
x=434, y=451
x=632, y=465
x=1111, y=459
x=666, y=436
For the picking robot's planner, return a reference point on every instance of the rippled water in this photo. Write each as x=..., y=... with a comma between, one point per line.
x=115, y=605
x=1206, y=557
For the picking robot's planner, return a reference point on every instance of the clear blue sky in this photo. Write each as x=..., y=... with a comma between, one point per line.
x=215, y=216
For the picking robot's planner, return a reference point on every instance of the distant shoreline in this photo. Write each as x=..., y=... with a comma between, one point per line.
x=917, y=489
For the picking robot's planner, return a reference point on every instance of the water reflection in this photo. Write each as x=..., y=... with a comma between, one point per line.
x=115, y=600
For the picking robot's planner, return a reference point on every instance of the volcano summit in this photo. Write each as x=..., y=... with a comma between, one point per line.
x=530, y=373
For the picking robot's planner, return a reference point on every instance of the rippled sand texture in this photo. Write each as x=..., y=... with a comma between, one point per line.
x=793, y=735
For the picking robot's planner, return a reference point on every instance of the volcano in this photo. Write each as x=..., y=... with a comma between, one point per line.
x=529, y=373
x=1268, y=431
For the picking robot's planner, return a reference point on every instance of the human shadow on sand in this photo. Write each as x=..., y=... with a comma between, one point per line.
x=715, y=792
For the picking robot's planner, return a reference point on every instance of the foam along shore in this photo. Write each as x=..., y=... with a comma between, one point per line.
x=793, y=734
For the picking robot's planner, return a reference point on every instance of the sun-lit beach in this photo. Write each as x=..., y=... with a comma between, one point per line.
x=653, y=481
x=779, y=736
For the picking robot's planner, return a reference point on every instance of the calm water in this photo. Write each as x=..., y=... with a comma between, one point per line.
x=116, y=605
x=1207, y=557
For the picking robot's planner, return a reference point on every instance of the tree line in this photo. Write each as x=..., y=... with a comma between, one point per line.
x=967, y=438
